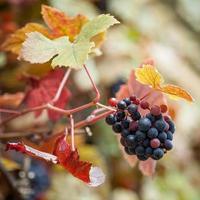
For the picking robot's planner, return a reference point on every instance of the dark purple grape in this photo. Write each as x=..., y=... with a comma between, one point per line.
x=140, y=136
x=162, y=136
x=142, y=157
x=127, y=101
x=117, y=128
x=120, y=115
x=121, y=105
x=110, y=119
x=136, y=116
x=140, y=150
x=129, y=150
x=132, y=109
x=168, y=144
x=157, y=154
x=144, y=124
x=152, y=133
x=151, y=117
x=125, y=123
x=148, y=151
x=160, y=125
x=169, y=135
x=130, y=140
x=125, y=132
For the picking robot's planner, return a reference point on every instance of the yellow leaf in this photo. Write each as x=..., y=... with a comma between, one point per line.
x=14, y=42
x=176, y=92
x=61, y=24
x=148, y=75
x=9, y=164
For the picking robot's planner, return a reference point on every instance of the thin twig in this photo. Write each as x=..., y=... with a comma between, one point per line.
x=72, y=132
x=61, y=86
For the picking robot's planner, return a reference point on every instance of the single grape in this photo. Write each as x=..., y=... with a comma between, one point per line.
x=144, y=124
x=117, y=128
x=169, y=135
x=171, y=126
x=144, y=105
x=163, y=108
x=140, y=136
x=130, y=140
x=137, y=101
x=168, y=144
x=121, y=105
x=133, y=126
x=125, y=123
x=155, y=143
x=157, y=154
x=160, y=125
x=155, y=110
x=133, y=97
x=162, y=136
x=148, y=151
x=127, y=101
x=136, y=116
x=151, y=117
x=142, y=157
x=125, y=132
x=120, y=115
x=140, y=150
x=152, y=133
x=132, y=109
x=110, y=119
x=113, y=102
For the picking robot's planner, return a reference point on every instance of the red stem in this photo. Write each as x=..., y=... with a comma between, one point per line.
x=61, y=86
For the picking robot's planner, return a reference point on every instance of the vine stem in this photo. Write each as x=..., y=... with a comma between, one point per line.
x=92, y=119
x=61, y=86
x=72, y=132
x=95, y=101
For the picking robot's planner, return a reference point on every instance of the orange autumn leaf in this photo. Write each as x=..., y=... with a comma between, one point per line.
x=14, y=42
x=176, y=92
x=148, y=75
x=61, y=24
x=11, y=100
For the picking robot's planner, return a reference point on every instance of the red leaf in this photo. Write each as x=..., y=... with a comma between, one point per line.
x=43, y=91
x=31, y=151
x=67, y=158
x=70, y=160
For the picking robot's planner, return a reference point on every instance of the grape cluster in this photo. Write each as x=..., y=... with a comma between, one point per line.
x=148, y=136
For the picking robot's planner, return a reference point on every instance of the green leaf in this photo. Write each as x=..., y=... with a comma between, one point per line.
x=95, y=26
x=73, y=55
x=39, y=49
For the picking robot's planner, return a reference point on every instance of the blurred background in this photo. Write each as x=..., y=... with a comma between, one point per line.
x=167, y=31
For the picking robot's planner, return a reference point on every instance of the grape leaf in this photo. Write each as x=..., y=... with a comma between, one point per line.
x=176, y=92
x=43, y=91
x=14, y=42
x=148, y=75
x=66, y=53
x=44, y=50
x=67, y=158
x=97, y=25
x=62, y=25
